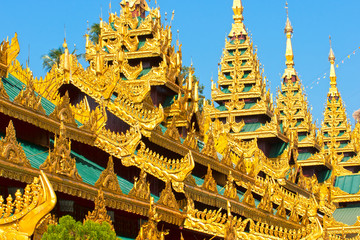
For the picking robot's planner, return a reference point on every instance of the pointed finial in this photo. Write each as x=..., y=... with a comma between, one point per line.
x=288, y=27
x=332, y=67
x=289, y=54
x=238, y=8
x=238, y=27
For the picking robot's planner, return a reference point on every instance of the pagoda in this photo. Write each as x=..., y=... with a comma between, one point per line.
x=127, y=135
x=295, y=116
x=338, y=138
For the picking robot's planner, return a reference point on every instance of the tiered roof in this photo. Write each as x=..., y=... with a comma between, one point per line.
x=295, y=114
x=338, y=138
x=129, y=124
x=245, y=106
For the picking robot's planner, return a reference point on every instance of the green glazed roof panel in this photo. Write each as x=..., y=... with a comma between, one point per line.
x=277, y=149
x=347, y=215
x=304, y=156
x=349, y=183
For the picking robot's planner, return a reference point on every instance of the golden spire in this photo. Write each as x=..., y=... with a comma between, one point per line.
x=332, y=68
x=290, y=71
x=66, y=56
x=238, y=27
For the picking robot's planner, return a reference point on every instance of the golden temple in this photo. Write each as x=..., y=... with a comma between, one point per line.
x=129, y=135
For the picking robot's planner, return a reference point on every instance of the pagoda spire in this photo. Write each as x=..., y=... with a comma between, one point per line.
x=290, y=71
x=333, y=84
x=238, y=27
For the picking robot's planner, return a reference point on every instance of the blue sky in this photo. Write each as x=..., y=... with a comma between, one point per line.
x=203, y=26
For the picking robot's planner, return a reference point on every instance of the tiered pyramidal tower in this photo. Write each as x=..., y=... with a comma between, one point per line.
x=338, y=139
x=295, y=116
x=244, y=106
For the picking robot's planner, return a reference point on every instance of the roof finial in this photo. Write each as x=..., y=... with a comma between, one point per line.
x=332, y=67
x=290, y=71
x=238, y=27
x=288, y=27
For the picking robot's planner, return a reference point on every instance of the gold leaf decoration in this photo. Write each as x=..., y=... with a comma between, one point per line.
x=209, y=182
x=63, y=111
x=11, y=150
x=141, y=188
x=108, y=179
x=59, y=160
x=29, y=99
x=167, y=197
x=99, y=214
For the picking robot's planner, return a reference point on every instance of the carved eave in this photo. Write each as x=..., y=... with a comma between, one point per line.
x=344, y=230
x=352, y=162
x=118, y=145
x=88, y=192
x=220, y=96
x=316, y=160
x=174, y=170
x=256, y=110
x=236, y=44
x=339, y=196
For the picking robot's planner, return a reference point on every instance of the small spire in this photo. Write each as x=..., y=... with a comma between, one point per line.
x=66, y=56
x=238, y=27
x=332, y=67
x=290, y=71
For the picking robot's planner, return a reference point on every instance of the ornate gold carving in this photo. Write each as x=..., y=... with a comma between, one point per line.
x=11, y=150
x=230, y=189
x=231, y=126
x=43, y=224
x=230, y=225
x=174, y=170
x=167, y=197
x=99, y=214
x=59, y=160
x=209, y=182
x=235, y=103
x=29, y=99
x=19, y=218
x=265, y=203
x=3, y=93
x=251, y=157
x=108, y=179
x=63, y=111
x=118, y=145
x=172, y=132
x=8, y=53
x=190, y=140
x=141, y=188
x=248, y=197
x=148, y=230
x=209, y=148
x=281, y=211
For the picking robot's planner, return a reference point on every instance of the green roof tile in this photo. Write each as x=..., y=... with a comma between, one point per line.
x=303, y=156
x=347, y=215
x=324, y=175
x=251, y=127
x=349, y=183
x=277, y=149
x=222, y=108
